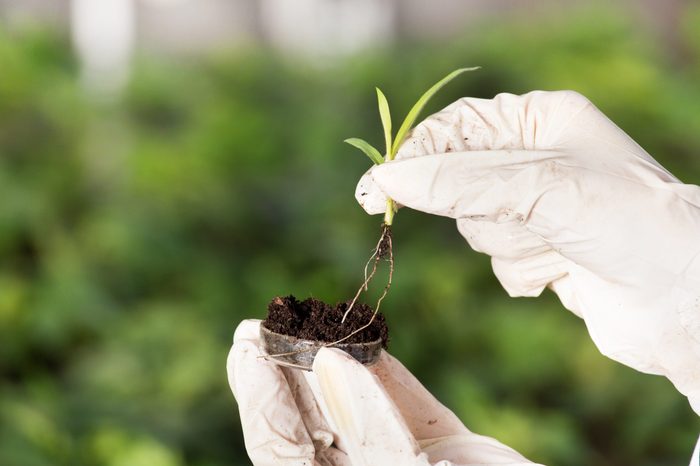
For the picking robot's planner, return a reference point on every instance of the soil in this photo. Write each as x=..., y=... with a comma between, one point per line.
x=313, y=319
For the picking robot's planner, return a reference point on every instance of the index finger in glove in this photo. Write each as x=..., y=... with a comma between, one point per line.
x=495, y=185
x=534, y=121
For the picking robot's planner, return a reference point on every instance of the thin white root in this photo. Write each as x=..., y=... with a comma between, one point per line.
x=365, y=285
x=374, y=254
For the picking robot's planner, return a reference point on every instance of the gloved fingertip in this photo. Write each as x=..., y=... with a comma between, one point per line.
x=380, y=172
x=387, y=175
x=329, y=358
x=369, y=196
x=512, y=281
x=242, y=355
x=248, y=329
x=240, y=351
x=409, y=182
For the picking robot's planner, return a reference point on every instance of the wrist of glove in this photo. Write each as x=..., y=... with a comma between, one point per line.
x=343, y=413
x=560, y=197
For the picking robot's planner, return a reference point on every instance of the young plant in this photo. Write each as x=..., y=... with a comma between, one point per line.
x=384, y=248
x=394, y=142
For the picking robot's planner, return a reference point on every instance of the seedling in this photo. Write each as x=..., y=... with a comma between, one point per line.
x=393, y=143
x=294, y=331
x=384, y=248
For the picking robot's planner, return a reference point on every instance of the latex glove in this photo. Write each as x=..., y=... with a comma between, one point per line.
x=560, y=197
x=344, y=413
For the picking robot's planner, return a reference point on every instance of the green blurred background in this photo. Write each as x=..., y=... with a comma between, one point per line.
x=137, y=231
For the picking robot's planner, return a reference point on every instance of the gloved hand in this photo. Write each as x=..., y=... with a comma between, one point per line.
x=560, y=197
x=343, y=413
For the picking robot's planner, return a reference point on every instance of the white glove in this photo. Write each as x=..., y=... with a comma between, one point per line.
x=344, y=413
x=560, y=197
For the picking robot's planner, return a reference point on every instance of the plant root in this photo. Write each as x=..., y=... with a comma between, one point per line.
x=383, y=250
x=389, y=255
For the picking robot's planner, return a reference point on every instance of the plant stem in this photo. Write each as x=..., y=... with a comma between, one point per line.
x=390, y=204
x=390, y=211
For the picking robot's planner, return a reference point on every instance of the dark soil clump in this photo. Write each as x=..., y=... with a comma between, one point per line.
x=312, y=319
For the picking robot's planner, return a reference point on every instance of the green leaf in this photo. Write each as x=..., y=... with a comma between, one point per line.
x=367, y=148
x=418, y=107
x=385, y=115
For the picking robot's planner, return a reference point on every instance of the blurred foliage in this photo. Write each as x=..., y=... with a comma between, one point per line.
x=135, y=236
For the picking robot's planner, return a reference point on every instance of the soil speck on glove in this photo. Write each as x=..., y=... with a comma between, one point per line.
x=313, y=319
